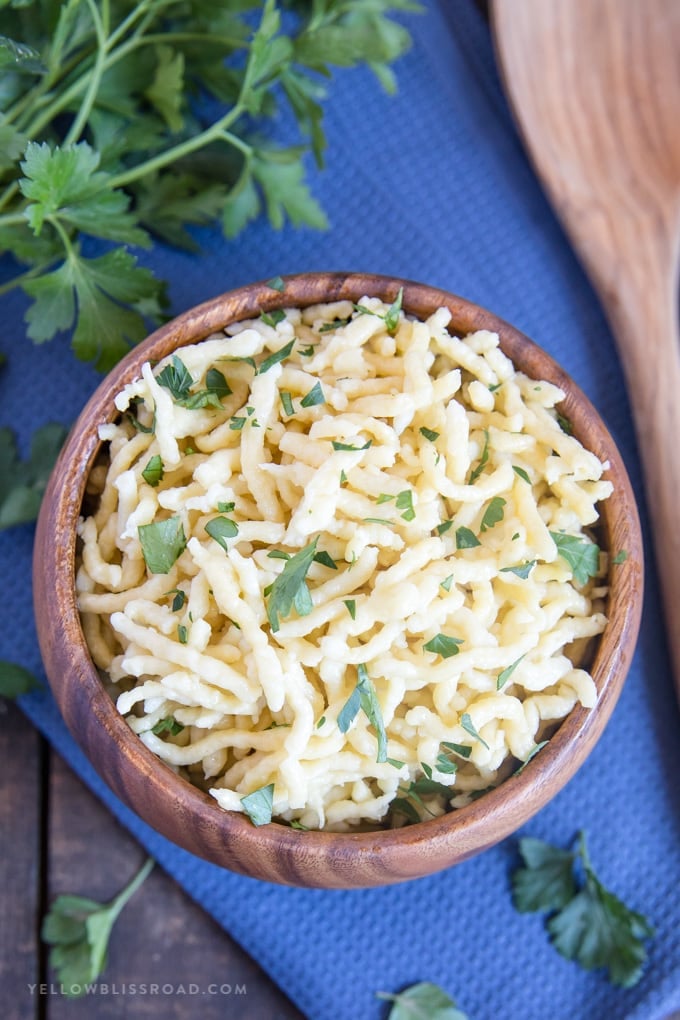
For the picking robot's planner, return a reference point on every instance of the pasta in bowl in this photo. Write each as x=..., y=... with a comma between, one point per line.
x=337, y=565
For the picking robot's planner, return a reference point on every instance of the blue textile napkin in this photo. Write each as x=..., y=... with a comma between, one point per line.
x=431, y=185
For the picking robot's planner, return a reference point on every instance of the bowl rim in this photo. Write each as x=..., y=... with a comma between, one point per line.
x=344, y=860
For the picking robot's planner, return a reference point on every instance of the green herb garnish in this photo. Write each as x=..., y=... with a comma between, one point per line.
x=446, y=583
x=393, y=312
x=226, y=508
x=22, y=482
x=287, y=402
x=429, y=433
x=442, y=644
x=155, y=162
x=348, y=446
x=405, y=502
x=351, y=607
x=273, y=318
x=276, y=283
x=522, y=473
x=494, y=513
x=620, y=557
x=167, y=725
x=162, y=543
x=521, y=570
x=325, y=559
x=483, y=460
x=258, y=805
x=466, y=539
x=424, y=1001
x=442, y=528
x=364, y=697
x=464, y=750
x=315, y=396
x=468, y=726
x=506, y=673
x=222, y=529
x=182, y=634
x=78, y=931
x=15, y=680
x=290, y=587
x=276, y=357
x=587, y=923
x=582, y=556
x=154, y=471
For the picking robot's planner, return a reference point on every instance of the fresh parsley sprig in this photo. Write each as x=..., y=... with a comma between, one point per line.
x=78, y=931
x=102, y=137
x=424, y=1001
x=586, y=922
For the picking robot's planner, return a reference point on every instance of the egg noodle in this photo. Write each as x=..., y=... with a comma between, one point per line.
x=338, y=556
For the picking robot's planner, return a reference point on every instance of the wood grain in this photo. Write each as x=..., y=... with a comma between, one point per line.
x=21, y=752
x=595, y=87
x=276, y=852
x=161, y=938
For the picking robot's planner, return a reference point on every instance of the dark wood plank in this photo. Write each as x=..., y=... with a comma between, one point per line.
x=161, y=938
x=20, y=863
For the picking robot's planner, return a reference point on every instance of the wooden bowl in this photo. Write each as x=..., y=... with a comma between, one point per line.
x=276, y=852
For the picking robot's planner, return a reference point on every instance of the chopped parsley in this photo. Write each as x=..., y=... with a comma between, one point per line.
x=290, y=587
x=351, y=607
x=620, y=557
x=446, y=583
x=468, y=726
x=506, y=673
x=287, y=402
x=466, y=539
x=493, y=514
x=325, y=559
x=405, y=502
x=483, y=460
x=153, y=472
x=442, y=644
x=348, y=446
x=315, y=396
x=273, y=318
x=522, y=473
x=429, y=434
x=364, y=697
x=522, y=570
x=442, y=528
x=222, y=529
x=276, y=283
x=582, y=556
x=167, y=725
x=259, y=804
x=276, y=357
x=162, y=543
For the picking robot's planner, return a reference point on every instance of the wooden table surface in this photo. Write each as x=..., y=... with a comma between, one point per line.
x=58, y=838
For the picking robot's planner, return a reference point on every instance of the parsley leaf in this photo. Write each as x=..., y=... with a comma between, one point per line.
x=276, y=357
x=78, y=931
x=351, y=606
x=405, y=502
x=287, y=402
x=276, y=283
x=315, y=396
x=22, y=483
x=393, y=313
x=588, y=923
x=325, y=559
x=167, y=725
x=153, y=472
x=348, y=446
x=468, y=726
x=364, y=696
x=522, y=473
x=259, y=804
x=483, y=460
x=176, y=378
x=424, y=1001
x=289, y=588
x=442, y=644
x=15, y=680
x=222, y=529
x=505, y=674
x=464, y=750
x=522, y=570
x=494, y=513
x=273, y=318
x=620, y=557
x=162, y=543
x=429, y=433
x=466, y=539
x=582, y=556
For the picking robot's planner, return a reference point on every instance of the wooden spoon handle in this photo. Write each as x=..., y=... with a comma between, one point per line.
x=642, y=307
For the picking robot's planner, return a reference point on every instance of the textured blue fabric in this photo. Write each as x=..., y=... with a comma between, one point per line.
x=434, y=186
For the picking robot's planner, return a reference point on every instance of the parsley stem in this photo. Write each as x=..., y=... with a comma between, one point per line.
x=99, y=22
x=17, y=281
x=198, y=141
x=128, y=892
